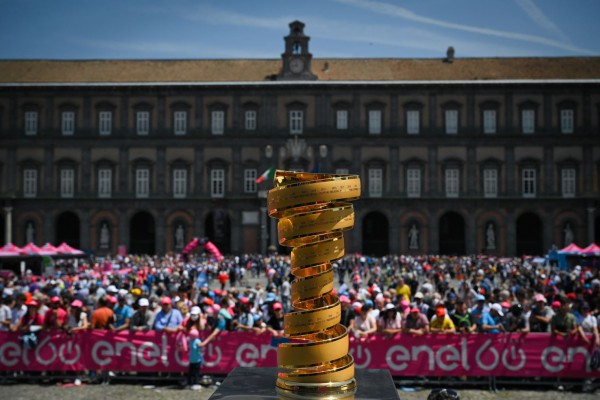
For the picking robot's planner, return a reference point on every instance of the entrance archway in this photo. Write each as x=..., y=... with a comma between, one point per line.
x=452, y=234
x=218, y=230
x=68, y=229
x=375, y=234
x=142, y=234
x=2, y=231
x=529, y=235
x=597, y=230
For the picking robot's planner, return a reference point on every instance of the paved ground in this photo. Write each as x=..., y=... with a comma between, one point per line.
x=141, y=392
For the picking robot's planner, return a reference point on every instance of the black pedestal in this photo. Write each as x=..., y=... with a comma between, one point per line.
x=259, y=384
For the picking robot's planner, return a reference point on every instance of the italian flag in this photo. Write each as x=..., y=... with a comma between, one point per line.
x=268, y=174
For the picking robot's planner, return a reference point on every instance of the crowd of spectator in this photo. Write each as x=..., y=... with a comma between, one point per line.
x=387, y=295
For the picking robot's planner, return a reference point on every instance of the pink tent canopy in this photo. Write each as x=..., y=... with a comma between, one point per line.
x=48, y=250
x=31, y=249
x=10, y=250
x=64, y=248
x=592, y=249
x=571, y=249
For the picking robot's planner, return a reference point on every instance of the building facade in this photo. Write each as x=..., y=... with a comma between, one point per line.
x=499, y=156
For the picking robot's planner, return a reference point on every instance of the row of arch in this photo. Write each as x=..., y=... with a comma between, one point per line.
x=141, y=229
x=452, y=235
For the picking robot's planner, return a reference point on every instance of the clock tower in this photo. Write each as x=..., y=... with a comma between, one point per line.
x=296, y=58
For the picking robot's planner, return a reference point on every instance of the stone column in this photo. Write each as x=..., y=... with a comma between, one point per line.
x=434, y=234
x=394, y=174
x=48, y=171
x=123, y=238
x=432, y=173
x=198, y=170
x=591, y=228
x=86, y=170
x=48, y=229
x=395, y=233
x=236, y=171
x=510, y=170
x=85, y=231
x=511, y=235
x=548, y=170
x=263, y=230
x=471, y=172
x=8, y=224
x=160, y=232
x=471, y=232
x=548, y=233
x=123, y=171
x=161, y=171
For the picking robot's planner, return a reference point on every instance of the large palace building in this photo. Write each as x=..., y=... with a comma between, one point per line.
x=492, y=155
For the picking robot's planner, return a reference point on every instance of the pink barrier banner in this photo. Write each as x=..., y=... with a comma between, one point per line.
x=535, y=355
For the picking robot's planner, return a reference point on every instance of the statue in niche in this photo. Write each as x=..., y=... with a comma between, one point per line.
x=413, y=238
x=569, y=237
x=179, y=239
x=104, y=236
x=30, y=233
x=490, y=237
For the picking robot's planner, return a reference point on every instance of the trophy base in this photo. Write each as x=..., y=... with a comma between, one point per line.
x=316, y=391
x=260, y=384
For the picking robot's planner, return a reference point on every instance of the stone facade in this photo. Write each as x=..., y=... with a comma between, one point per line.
x=495, y=166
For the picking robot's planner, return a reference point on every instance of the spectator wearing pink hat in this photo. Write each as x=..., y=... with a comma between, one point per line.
x=415, y=323
x=168, y=318
x=275, y=321
x=541, y=314
x=77, y=317
x=196, y=358
x=56, y=317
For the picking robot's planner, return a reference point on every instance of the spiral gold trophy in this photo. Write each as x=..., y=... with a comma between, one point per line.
x=314, y=211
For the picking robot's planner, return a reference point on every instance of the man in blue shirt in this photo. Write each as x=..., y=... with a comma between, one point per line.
x=123, y=313
x=491, y=322
x=168, y=318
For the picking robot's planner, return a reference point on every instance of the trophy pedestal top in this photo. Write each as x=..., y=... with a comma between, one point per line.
x=259, y=384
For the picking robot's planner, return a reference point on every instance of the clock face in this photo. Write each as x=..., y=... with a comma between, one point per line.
x=296, y=65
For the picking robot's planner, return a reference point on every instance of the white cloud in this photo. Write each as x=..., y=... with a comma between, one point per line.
x=541, y=20
x=401, y=12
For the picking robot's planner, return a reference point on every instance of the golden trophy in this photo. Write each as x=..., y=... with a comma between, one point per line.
x=313, y=211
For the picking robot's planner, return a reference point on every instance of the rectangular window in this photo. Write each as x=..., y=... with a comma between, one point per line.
x=180, y=122
x=67, y=182
x=452, y=182
x=31, y=122
x=490, y=182
x=179, y=183
x=341, y=120
x=342, y=171
x=489, y=121
x=217, y=122
x=30, y=183
x=375, y=122
x=566, y=121
x=568, y=182
x=375, y=182
x=250, y=120
x=105, y=123
x=528, y=121
x=296, y=121
x=413, y=121
x=104, y=182
x=528, y=176
x=142, y=182
x=250, y=176
x=413, y=182
x=68, y=123
x=142, y=122
x=451, y=119
x=217, y=182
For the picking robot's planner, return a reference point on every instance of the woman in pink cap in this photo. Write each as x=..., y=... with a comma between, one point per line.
x=77, y=317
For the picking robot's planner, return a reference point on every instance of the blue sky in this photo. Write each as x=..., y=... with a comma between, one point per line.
x=197, y=29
